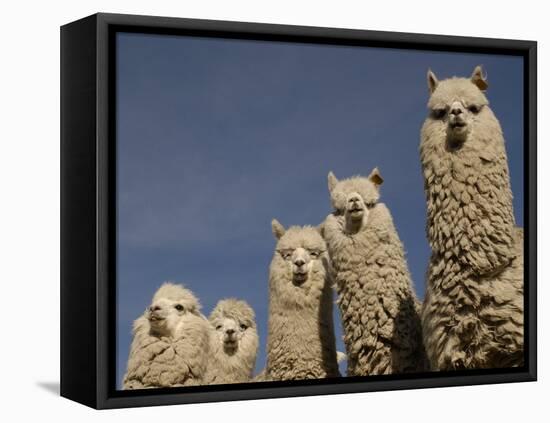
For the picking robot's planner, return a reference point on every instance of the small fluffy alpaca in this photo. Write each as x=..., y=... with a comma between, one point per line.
x=234, y=343
x=473, y=311
x=171, y=342
x=300, y=342
x=377, y=302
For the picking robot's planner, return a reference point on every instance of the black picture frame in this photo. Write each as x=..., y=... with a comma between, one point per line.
x=88, y=197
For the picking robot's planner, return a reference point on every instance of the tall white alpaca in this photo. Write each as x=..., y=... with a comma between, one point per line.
x=375, y=294
x=171, y=342
x=234, y=343
x=300, y=343
x=473, y=311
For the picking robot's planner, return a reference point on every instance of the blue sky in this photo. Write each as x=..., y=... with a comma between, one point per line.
x=216, y=137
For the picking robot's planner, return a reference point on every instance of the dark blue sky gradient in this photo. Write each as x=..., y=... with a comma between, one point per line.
x=216, y=137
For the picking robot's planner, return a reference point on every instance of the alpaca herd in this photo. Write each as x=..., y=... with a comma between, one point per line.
x=472, y=314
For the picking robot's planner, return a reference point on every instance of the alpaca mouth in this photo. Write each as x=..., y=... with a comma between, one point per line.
x=356, y=213
x=230, y=343
x=299, y=278
x=457, y=124
x=230, y=347
x=155, y=318
x=356, y=210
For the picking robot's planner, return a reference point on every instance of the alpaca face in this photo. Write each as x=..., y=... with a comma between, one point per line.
x=235, y=328
x=229, y=332
x=355, y=197
x=300, y=262
x=457, y=105
x=300, y=250
x=170, y=306
x=165, y=314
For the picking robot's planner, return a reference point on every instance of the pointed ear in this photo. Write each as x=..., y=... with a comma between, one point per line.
x=432, y=81
x=332, y=181
x=479, y=79
x=375, y=177
x=277, y=229
x=321, y=229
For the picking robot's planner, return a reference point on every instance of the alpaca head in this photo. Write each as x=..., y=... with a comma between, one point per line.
x=172, y=304
x=300, y=253
x=457, y=107
x=353, y=198
x=235, y=326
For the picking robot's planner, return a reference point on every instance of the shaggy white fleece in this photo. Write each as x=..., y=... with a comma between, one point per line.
x=300, y=343
x=234, y=342
x=473, y=311
x=377, y=302
x=171, y=342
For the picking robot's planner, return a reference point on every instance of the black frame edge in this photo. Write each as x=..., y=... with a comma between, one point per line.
x=78, y=212
x=106, y=149
x=530, y=121
x=266, y=391
x=163, y=23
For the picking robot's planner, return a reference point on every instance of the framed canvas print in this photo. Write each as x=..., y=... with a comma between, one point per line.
x=259, y=211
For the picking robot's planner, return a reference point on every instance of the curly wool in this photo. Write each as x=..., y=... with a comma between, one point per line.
x=301, y=342
x=176, y=359
x=232, y=365
x=378, y=306
x=473, y=310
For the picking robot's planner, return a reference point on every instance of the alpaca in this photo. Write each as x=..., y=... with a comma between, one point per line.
x=473, y=311
x=301, y=342
x=377, y=302
x=234, y=343
x=171, y=342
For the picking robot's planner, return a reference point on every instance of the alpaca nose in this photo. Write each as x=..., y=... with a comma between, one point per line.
x=299, y=262
x=154, y=308
x=230, y=331
x=456, y=111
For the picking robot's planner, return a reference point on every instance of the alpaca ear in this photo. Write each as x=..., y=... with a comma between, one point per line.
x=479, y=79
x=277, y=229
x=321, y=229
x=332, y=181
x=432, y=81
x=375, y=177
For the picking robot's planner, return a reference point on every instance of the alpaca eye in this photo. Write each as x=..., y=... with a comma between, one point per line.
x=439, y=113
x=243, y=327
x=314, y=254
x=474, y=109
x=178, y=307
x=286, y=254
x=218, y=327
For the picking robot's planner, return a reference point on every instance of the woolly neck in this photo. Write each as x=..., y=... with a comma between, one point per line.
x=231, y=368
x=470, y=219
x=345, y=247
x=301, y=340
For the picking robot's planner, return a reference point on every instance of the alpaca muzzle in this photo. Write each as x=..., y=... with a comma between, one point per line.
x=355, y=207
x=154, y=315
